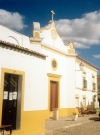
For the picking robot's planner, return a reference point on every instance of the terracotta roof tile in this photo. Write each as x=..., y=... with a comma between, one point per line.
x=18, y=48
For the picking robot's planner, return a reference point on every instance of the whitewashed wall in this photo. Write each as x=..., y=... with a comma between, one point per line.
x=57, y=43
x=16, y=38
x=79, y=83
x=89, y=96
x=11, y=36
x=89, y=72
x=66, y=68
x=35, y=93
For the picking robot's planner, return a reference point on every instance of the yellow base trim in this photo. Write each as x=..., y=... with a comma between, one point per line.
x=33, y=122
x=67, y=111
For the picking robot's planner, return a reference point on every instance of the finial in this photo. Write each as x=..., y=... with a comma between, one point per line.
x=52, y=14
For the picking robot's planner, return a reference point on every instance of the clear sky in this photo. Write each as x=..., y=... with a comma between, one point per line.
x=76, y=20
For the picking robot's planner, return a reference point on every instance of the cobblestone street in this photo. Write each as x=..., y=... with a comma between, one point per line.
x=83, y=126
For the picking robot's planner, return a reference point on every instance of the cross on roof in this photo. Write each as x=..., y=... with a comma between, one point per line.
x=52, y=14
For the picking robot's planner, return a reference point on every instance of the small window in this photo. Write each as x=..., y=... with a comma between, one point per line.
x=84, y=83
x=77, y=101
x=84, y=101
x=54, y=64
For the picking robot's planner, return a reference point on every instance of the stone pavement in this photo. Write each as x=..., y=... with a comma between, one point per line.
x=84, y=125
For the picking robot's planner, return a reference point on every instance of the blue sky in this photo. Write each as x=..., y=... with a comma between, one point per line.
x=76, y=20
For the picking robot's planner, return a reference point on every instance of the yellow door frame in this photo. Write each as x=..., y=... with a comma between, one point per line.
x=11, y=71
x=56, y=78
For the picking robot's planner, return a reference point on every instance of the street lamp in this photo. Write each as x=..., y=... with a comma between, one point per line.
x=81, y=67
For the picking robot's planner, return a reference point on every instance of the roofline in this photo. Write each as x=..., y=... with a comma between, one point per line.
x=21, y=49
x=12, y=30
x=51, y=23
x=87, y=62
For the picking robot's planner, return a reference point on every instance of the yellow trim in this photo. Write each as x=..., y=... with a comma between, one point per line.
x=11, y=71
x=33, y=122
x=54, y=75
x=94, y=91
x=54, y=68
x=53, y=34
x=52, y=26
x=36, y=119
x=93, y=75
x=36, y=34
x=71, y=51
x=53, y=50
x=64, y=112
x=59, y=52
x=84, y=96
x=77, y=95
x=84, y=72
x=67, y=111
x=85, y=89
x=56, y=78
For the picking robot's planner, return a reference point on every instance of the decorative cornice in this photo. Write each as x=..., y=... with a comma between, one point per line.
x=83, y=60
x=85, y=89
x=57, y=50
x=94, y=91
x=20, y=49
x=54, y=75
x=84, y=96
x=77, y=95
x=32, y=39
x=84, y=72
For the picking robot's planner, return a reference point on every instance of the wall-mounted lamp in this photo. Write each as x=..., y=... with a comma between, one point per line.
x=81, y=67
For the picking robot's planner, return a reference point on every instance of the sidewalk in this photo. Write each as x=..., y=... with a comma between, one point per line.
x=65, y=122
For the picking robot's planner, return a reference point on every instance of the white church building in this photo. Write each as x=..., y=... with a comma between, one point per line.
x=38, y=74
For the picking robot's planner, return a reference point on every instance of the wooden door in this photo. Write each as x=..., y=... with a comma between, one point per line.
x=53, y=95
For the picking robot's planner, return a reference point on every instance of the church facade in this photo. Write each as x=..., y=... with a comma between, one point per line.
x=39, y=74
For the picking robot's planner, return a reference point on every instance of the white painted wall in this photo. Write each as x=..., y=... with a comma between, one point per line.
x=35, y=93
x=79, y=83
x=36, y=47
x=89, y=72
x=36, y=69
x=66, y=68
x=11, y=36
x=16, y=38
x=57, y=43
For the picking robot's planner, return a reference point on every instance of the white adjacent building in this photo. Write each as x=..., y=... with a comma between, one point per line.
x=86, y=83
x=98, y=88
x=39, y=74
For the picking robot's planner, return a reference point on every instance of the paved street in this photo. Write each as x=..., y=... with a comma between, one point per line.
x=88, y=125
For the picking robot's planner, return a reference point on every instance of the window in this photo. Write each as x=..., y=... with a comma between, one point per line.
x=84, y=80
x=84, y=83
x=94, y=86
x=54, y=64
x=84, y=101
x=77, y=101
x=93, y=83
